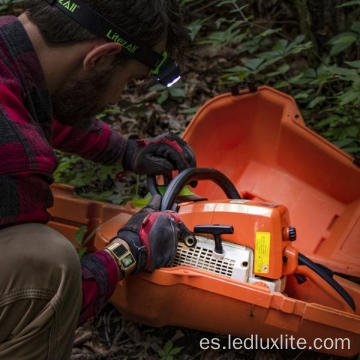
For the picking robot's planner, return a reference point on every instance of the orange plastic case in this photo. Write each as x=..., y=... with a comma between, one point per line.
x=261, y=143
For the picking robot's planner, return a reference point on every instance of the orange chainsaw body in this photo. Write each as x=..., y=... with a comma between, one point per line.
x=249, y=219
x=287, y=176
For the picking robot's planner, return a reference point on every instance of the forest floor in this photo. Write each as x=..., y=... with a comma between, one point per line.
x=111, y=337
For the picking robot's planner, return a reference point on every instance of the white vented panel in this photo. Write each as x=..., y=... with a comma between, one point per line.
x=203, y=259
x=237, y=262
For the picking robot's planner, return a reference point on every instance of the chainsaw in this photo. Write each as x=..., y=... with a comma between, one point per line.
x=241, y=239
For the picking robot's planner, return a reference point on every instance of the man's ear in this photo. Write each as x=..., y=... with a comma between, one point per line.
x=101, y=53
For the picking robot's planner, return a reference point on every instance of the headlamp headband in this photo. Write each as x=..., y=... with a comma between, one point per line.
x=166, y=70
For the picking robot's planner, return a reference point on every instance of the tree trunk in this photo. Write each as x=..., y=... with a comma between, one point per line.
x=306, y=26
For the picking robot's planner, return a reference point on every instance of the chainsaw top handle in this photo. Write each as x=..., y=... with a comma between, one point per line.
x=190, y=175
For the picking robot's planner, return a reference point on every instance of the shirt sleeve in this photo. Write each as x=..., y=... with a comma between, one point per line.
x=26, y=162
x=93, y=141
x=100, y=275
x=25, y=198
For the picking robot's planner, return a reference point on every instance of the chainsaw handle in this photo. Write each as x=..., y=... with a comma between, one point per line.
x=189, y=175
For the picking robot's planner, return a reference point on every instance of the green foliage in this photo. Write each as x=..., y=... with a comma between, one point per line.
x=5, y=5
x=334, y=93
x=66, y=171
x=8, y=6
x=222, y=38
x=266, y=65
x=82, y=240
x=95, y=181
x=190, y=112
x=176, y=92
x=342, y=42
x=327, y=88
x=195, y=27
x=169, y=351
x=350, y=3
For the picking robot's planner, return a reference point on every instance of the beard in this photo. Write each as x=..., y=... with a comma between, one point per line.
x=80, y=99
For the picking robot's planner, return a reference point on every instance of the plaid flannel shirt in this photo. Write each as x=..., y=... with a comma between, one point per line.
x=27, y=161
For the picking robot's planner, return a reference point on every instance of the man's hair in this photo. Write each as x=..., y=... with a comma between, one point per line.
x=147, y=21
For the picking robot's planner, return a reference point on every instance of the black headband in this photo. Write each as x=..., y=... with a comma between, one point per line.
x=166, y=70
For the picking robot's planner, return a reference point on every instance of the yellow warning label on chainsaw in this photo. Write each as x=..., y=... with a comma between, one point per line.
x=262, y=252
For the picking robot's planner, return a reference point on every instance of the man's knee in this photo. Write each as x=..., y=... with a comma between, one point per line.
x=39, y=257
x=41, y=291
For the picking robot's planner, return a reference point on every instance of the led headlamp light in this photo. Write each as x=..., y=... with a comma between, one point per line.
x=163, y=68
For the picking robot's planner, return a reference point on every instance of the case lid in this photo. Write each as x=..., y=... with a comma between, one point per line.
x=260, y=141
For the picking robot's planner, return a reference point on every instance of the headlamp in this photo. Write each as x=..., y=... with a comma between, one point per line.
x=163, y=68
x=167, y=72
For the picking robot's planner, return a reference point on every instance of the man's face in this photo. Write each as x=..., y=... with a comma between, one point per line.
x=89, y=93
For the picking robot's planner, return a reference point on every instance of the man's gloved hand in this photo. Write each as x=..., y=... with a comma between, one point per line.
x=152, y=236
x=158, y=156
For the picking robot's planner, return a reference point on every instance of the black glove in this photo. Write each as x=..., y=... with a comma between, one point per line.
x=158, y=156
x=152, y=236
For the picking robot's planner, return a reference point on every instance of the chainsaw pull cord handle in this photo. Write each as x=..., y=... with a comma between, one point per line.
x=216, y=231
x=327, y=275
x=189, y=175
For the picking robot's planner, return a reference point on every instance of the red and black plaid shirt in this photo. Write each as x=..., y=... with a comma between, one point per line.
x=27, y=161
